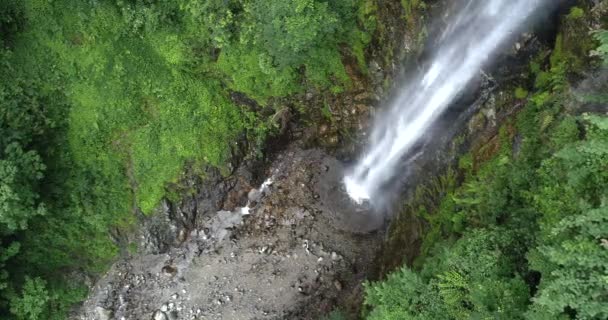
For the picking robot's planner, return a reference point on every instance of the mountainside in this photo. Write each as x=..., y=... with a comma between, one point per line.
x=183, y=159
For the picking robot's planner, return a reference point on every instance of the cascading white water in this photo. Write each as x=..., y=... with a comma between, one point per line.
x=472, y=37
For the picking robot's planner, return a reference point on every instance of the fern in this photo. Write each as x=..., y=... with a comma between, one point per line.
x=453, y=288
x=602, y=50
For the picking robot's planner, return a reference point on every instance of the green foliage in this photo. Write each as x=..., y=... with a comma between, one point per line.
x=11, y=20
x=253, y=73
x=276, y=40
x=33, y=300
x=602, y=51
x=571, y=250
x=360, y=37
x=477, y=278
x=403, y=295
x=576, y=13
x=535, y=211
x=103, y=104
x=20, y=173
x=473, y=279
x=410, y=6
x=573, y=258
x=38, y=300
x=25, y=114
x=6, y=253
x=290, y=30
x=521, y=93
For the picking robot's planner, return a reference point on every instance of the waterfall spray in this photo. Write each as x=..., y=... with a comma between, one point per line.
x=470, y=40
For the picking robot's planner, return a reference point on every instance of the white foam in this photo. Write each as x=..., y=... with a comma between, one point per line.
x=246, y=210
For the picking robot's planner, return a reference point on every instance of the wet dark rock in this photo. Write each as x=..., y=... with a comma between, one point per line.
x=338, y=206
x=377, y=73
x=169, y=270
x=595, y=82
x=171, y=223
x=282, y=118
x=364, y=96
x=158, y=230
x=173, y=315
x=242, y=99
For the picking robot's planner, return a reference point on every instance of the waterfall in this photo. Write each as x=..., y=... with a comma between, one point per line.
x=472, y=37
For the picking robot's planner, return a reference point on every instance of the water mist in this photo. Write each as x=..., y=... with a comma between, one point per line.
x=473, y=36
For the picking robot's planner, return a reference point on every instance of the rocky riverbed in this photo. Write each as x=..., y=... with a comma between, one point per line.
x=293, y=252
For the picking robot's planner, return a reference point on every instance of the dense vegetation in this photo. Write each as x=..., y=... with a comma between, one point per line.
x=525, y=236
x=102, y=103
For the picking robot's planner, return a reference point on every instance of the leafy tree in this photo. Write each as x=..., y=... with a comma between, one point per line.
x=403, y=295
x=573, y=263
x=33, y=301
x=23, y=119
x=276, y=40
x=477, y=278
x=6, y=253
x=290, y=30
x=571, y=250
x=20, y=173
x=473, y=279
x=23, y=112
x=219, y=19
x=11, y=20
